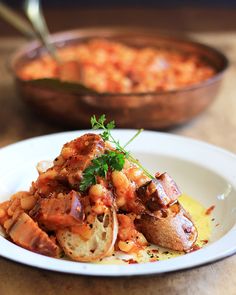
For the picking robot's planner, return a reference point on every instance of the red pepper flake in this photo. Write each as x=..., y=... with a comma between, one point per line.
x=209, y=210
x=154, y=259
x=130, y=261
x=155, y=251
x=195, y=248
x=204, y=241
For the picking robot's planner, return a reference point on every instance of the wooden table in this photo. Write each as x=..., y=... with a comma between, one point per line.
x=217, y=126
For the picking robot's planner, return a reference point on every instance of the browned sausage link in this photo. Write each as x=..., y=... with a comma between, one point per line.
x=159, y=192
x=26, y=233
x=75, y=156
x=78, y=153
x=168, y=228
x=59, y=212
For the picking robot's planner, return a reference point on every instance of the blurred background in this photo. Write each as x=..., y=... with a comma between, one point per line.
x=178, y=15
x=210, y=22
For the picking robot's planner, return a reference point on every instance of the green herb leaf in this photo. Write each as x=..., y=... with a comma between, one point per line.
x=102, y=119
x=93, y=121
x=111, y=125
x=116, y=160
x=87, y=181
x=105, y=135
x=112, y=159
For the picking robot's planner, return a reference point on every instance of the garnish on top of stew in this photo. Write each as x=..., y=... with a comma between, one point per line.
x=112, y=67
x=96, y=199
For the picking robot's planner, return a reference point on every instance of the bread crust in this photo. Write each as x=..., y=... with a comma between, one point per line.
x=99, y=245
x=171, y=230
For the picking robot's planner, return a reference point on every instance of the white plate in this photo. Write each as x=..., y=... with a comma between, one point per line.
x=203, y=171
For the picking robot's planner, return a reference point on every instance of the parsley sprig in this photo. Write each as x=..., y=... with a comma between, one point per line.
x=111, y=159
x=99, y=167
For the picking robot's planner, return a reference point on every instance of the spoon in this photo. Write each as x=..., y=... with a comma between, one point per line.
x=34, y=12
x=22, y=25
x=17, y=21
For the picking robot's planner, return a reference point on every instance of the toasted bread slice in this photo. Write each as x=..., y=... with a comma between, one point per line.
x=100, y=243
x=170, y=229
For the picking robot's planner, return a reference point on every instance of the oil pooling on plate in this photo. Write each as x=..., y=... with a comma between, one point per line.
x=154, y=253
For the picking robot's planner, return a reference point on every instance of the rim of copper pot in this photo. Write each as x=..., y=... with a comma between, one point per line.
x=63, y=37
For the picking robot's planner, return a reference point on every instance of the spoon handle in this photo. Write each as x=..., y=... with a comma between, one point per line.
x=34, y=12
x=16, y=20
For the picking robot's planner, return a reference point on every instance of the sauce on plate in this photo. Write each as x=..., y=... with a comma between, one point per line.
x=154, y=253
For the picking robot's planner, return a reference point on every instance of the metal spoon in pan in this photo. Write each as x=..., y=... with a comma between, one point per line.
x=34, y=13
x=40, y=31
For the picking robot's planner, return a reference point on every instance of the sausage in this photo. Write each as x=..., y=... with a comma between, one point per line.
x=58, y=212
x=68, y=167
x=159, y=192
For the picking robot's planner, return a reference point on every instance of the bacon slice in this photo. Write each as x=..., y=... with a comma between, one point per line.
x=60, y=212
x=26, y=233
x=159, y=192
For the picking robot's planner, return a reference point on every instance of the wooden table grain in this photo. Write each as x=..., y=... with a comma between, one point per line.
x=217, y=125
